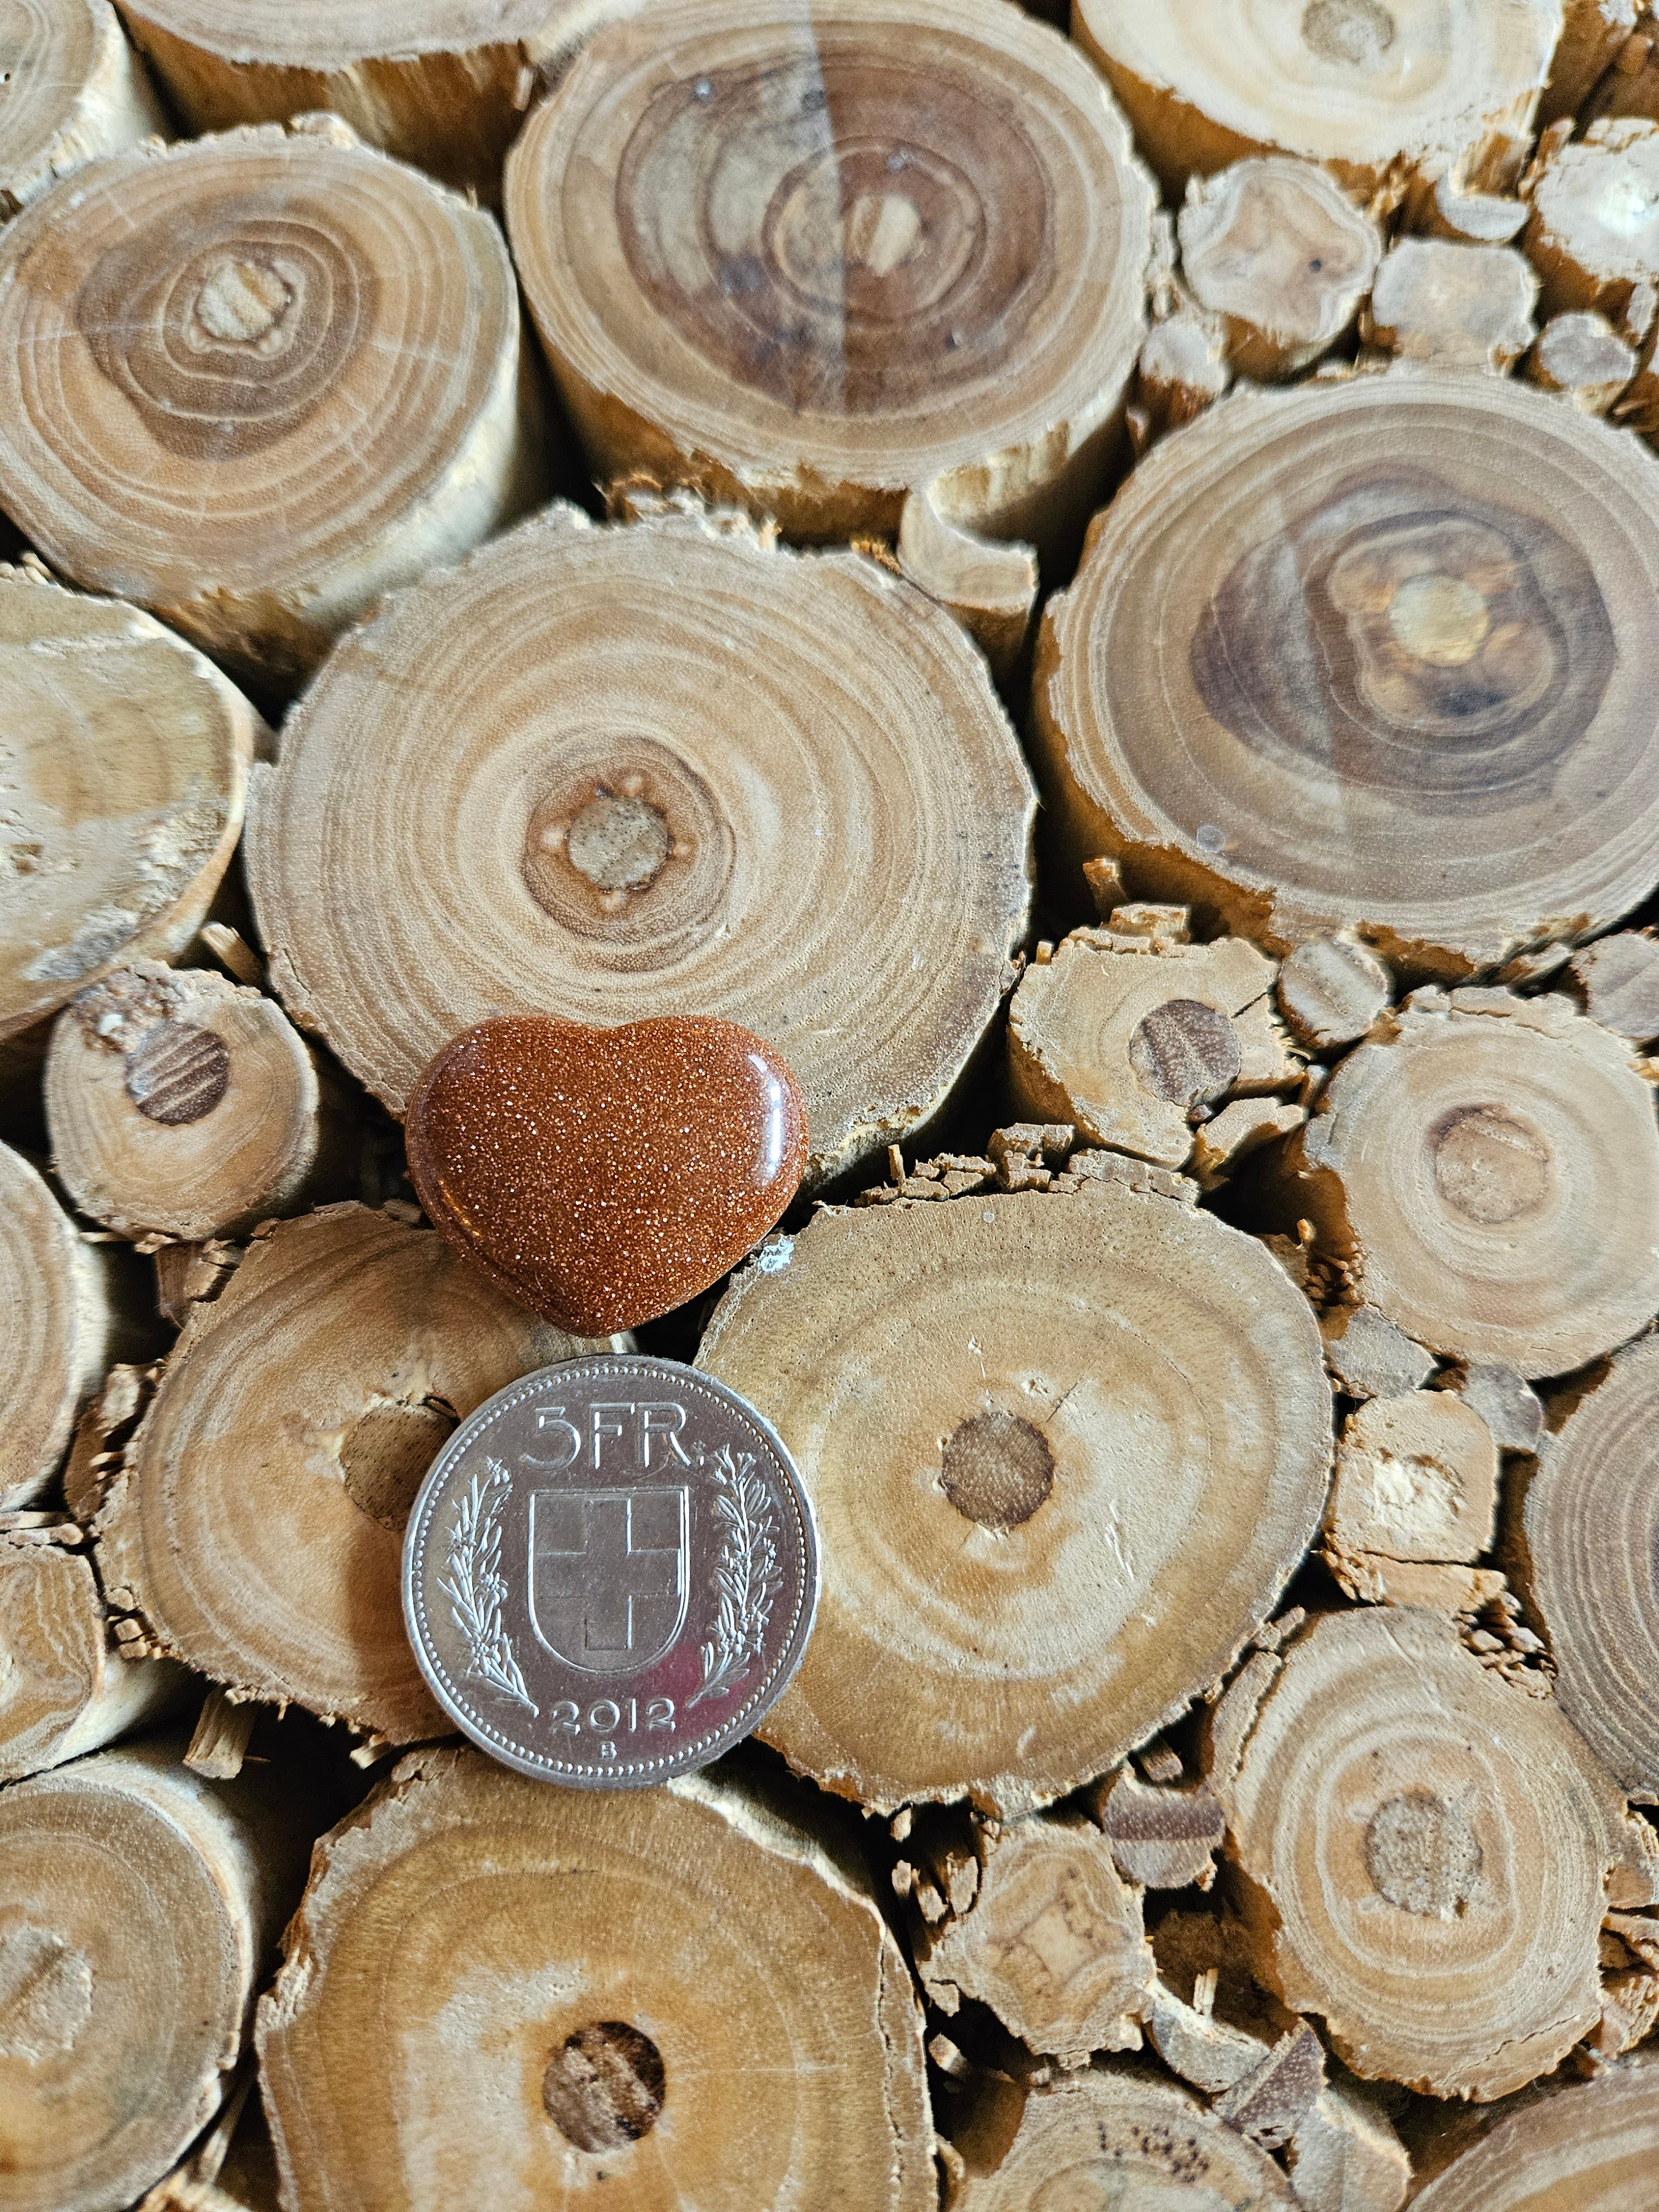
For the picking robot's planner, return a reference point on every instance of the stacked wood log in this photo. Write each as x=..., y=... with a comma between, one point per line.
x=525, y=810
x=728, y=302
x=329, y=337
x=74, y=90
x=1220, y=1337
x=443, y=83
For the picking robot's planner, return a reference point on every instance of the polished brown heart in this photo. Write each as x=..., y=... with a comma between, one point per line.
x=603, y=1177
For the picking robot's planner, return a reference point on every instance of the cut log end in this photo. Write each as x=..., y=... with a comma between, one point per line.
x=1503, y=1215
x=666, y=807
x=1186, y=692
x=1053, y=1608
x=594, y=2001
x=1433, y=1880
x=128, y=760
x=183, y=1106
x=1277, y=250
x=326, y=337
x=342, y=1352
x=73, y=90
x=944, y=348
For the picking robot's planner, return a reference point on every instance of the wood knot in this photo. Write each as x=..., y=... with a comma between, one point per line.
x=384, y=1455
x=1357, y=33
x=998, y=1469
x=1489, y=1167
x=1186, y=1052
x=1422, y=1854
x=619, y=844
x=176, y=1072
x=606, y=2087
x=243, y=303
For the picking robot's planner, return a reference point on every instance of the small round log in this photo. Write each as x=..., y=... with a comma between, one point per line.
x=64, y=1691
x=663, y=1998
x=1133, y=1045
x=254, y=381
x=1331, y=989
x=1122, y=2136
x=56, y=1292
x=183, y=1105
x=1278, y=251
x=1346, y=656
x=1064, y=1449
x=1584, y=1547
x=127, y=755
x=1619, y=979
x=1593, y=234
x=1416, y=1481
x=606, y=773
x=1594, y=2144
x=1085, y=1993
x=141, y=1907
x=1424, y=1853
x=337, y=1361
x=73, y=89
x=1581, y=356
x=1376, y=92
x=1487, y=1168
x=812, y=265
x=1451, y=305
x=442, y=83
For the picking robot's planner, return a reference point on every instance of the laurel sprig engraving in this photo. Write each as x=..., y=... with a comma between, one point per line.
x=475, y=1586
x=746, y=1574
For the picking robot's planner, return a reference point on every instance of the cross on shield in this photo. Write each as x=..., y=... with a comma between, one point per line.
x=608, y=1574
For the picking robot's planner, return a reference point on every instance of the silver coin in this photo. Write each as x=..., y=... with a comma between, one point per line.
x=610, y=1572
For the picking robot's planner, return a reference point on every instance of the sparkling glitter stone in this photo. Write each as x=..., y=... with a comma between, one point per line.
x=602, y=1176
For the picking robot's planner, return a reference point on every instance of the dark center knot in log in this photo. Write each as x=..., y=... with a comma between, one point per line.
x=386, y=1452
x=177, y=1073
x=1356, y=31
x=606, y=2087
x=1488, y=1166
x=998, y=1469
x=1186, y=1052
x=1422, y=1854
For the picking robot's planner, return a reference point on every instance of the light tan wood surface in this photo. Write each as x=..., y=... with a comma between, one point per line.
x=1008, y=1410
x=142, y=1906
x=647, y=1999
x=1427, y=1853
x=1487, y=1168
x=813, y=259
x=183, y=1105
x=1583, y=1543
x=606, y=773
x=1452, y=305
x=256, y=1527
x=64, y=1690
x=1278, y=250
x=1136, y=1043
x=1052, y=1941
x=63, y=1323
x=1380, y=94
x=1590, y=2148
x=442, y=83
x=125, y=756
x=70, y=89
x=1115, y=2135
x=255, y=419
x=1343, y=658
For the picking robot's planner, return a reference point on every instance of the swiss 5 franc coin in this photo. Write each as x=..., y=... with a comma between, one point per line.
x=610, y=1572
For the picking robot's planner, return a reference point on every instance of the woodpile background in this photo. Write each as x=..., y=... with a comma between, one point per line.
x=1102, y=593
